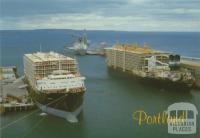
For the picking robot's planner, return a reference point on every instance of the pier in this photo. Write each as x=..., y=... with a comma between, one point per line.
x=15, y=107
x=192, y=64
x=14, y=95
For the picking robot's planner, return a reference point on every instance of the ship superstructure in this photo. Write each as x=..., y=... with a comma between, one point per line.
x=148, y=63
x=56, y=83
x=60, y=80
x=80, y=46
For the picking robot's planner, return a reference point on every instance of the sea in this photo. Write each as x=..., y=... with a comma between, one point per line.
x=113, y=101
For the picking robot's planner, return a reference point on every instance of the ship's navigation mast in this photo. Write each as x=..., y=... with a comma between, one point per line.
x=59, y=63
x=40, y=48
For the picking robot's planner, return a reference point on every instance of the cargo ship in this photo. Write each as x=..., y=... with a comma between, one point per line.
x=149, y=65
x=55, y=84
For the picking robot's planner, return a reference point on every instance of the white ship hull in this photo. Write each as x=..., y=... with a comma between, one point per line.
x=80, y=52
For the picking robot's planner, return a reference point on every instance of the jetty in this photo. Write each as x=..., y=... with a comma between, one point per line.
x=97, y=50
x=15, y=107
x=192, y=64
x=14, y=95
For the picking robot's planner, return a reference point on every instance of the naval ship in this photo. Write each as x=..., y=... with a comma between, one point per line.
x=80, y=46
x=55, y=84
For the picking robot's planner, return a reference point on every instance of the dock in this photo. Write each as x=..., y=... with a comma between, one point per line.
x=15, y=107
x=192, y=64
x=100, y=50
x=14, y=95
x=95, y=52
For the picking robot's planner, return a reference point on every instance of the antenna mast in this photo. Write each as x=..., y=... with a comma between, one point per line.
x=40, y=47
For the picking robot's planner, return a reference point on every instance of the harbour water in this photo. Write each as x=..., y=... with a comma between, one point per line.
x=110, y=99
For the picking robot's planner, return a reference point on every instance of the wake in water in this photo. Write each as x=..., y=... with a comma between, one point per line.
x=43, y=114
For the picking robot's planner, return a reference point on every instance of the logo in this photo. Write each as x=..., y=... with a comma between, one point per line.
x=182, y=118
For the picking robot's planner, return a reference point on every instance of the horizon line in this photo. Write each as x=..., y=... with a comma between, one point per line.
x=98, y=30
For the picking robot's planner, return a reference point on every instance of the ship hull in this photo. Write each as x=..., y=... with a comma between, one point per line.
x=177, y=86
x=80, y=52
x=69, y=116
x=62, y=104
x=147, y=81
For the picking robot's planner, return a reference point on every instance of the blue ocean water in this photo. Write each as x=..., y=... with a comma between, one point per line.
x=110, y=100
x=15, y=43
